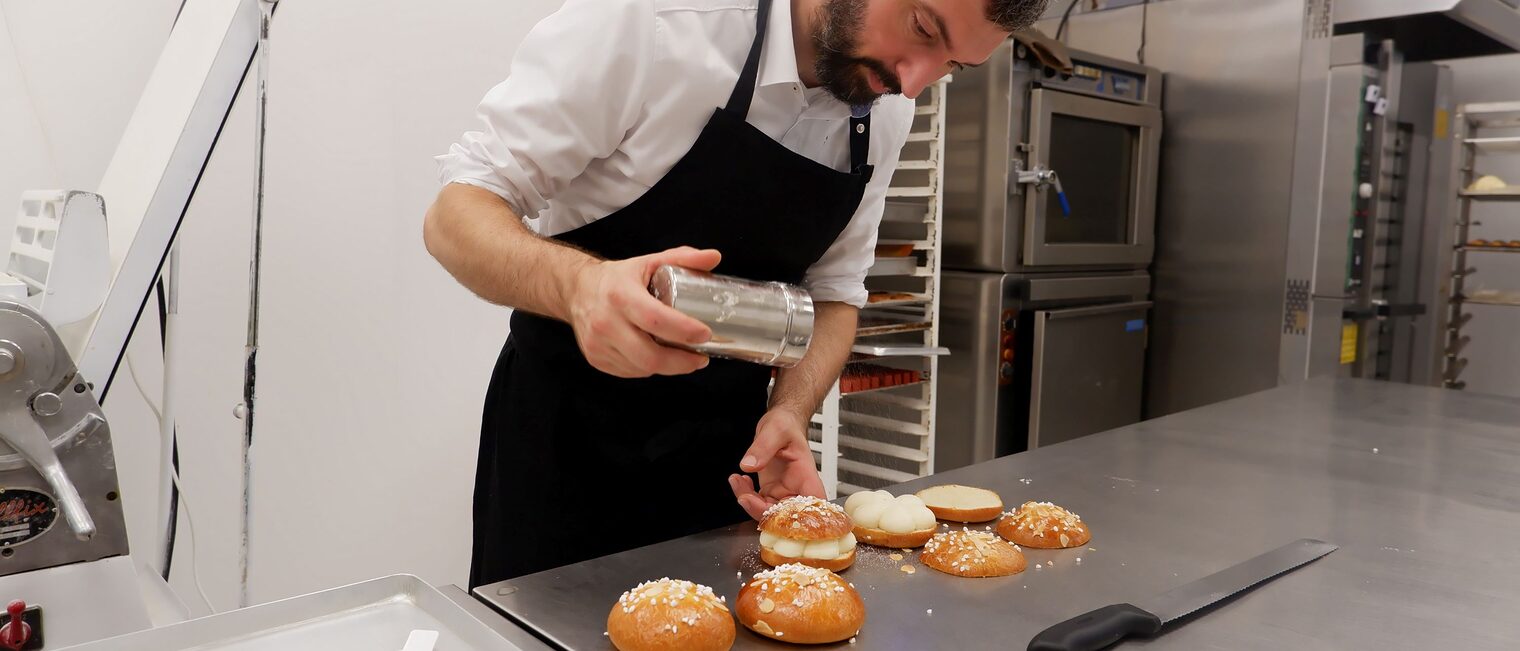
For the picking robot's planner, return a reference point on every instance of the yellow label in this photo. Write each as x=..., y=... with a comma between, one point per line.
x=1443, y=123
x=1348, y=343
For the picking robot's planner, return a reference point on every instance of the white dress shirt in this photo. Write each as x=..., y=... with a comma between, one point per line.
x=604, y=96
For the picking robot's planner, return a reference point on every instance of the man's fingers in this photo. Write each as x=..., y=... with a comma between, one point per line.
x=649, y=357
x=662, y=321
x=760, y=453
x=813, y=485
x=685, y=256
x=754, y=505
x=749, y=500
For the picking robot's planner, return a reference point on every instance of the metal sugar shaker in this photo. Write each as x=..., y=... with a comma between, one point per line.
x=768, y=323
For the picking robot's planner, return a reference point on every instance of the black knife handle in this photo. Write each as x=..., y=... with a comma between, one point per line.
x=1096, y=629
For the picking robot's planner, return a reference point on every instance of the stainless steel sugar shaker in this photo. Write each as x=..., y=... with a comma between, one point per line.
x=767, y=323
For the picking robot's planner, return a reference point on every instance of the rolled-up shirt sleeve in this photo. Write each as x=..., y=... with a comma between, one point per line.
x=840, y=275
x=557, y=112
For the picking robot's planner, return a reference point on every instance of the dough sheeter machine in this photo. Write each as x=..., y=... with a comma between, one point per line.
x=74, y=287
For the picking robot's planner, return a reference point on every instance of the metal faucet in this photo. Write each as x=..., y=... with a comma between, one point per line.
x=1042, y=177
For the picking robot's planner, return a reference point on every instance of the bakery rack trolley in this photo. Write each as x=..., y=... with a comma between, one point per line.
x=876, y=427
x=1484, y=130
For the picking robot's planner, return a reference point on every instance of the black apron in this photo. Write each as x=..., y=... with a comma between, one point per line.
x=575, y=463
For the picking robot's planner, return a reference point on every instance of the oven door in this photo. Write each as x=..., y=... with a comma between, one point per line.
x=1105, y=154
x=1088, y=370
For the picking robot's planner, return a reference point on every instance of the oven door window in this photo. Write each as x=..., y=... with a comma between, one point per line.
x=1096, y=162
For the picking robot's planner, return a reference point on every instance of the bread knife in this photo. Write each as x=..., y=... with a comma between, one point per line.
x=1108, y=625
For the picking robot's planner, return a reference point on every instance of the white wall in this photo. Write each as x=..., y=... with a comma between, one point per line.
x=1494, y=353
x=374, y=362
x=70, y=73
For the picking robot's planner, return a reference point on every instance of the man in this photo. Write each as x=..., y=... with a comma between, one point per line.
x=748, y=137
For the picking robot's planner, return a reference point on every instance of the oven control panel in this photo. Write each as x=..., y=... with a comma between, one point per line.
x=1113, y=81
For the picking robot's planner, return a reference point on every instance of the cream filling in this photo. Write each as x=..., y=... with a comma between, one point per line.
x=832, y=549
x=897, y=515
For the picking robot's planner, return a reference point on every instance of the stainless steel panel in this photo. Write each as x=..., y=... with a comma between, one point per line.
x=1347, y=50
x=970, y=315
x=1437, y=235
x=1044, y=288
x=1386, y=471
x=1425, y=104
x=1496, y=19
x=1140, y=244
x=1227, y=164
x=1089, y=365
x=1319, y=50
x=982, y=123
x=1325, y=325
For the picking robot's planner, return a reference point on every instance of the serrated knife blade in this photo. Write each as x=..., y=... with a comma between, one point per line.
x=1109, y=624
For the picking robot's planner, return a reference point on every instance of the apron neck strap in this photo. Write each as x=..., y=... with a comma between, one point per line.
x=744, y=89
x=860, y=141
x=744, y=92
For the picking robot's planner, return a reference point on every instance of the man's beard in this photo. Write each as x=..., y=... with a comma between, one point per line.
x=842, y=73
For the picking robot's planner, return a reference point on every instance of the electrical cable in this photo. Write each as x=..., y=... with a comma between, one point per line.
x=172, y=534
x=1065, y=18
x=174, y=477
x=190, y=528
x=1145, y=14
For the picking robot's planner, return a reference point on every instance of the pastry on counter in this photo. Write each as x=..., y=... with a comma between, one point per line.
x=668, y=615
x=958, y=503
x=807, y=530
x=801, y=604
x=973, y=554
x=880, y=519
x=1478, y=243
x=1512, y=244
x=1043, y=525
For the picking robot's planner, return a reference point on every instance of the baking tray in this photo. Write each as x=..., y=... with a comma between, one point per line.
x=871, y=326
x=375, y=615
x=904, y=266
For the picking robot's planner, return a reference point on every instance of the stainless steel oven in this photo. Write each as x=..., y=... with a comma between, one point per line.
x=1037, y=359
x=1051, y=172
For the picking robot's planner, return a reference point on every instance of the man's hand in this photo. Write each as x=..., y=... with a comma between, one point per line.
x=616, y=320
x=781, y=456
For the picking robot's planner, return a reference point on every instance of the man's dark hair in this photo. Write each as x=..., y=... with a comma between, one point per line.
x=1014, y=15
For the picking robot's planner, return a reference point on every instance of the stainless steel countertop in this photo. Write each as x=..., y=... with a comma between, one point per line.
x=1420, y=487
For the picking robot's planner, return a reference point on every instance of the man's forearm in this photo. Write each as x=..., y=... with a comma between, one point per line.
x=802, y=388
x=486, y=247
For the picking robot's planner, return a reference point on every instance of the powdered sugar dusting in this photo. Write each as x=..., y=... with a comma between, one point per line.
x=672, y=592
x=803, y=504
x=1040, y=518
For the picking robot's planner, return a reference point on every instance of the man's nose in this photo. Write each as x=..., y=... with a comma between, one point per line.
x=915, y=76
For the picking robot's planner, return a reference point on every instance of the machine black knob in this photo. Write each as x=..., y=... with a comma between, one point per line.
x=1006, y=370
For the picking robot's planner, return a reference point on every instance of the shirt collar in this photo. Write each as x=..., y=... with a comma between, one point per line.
x=778, y=58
